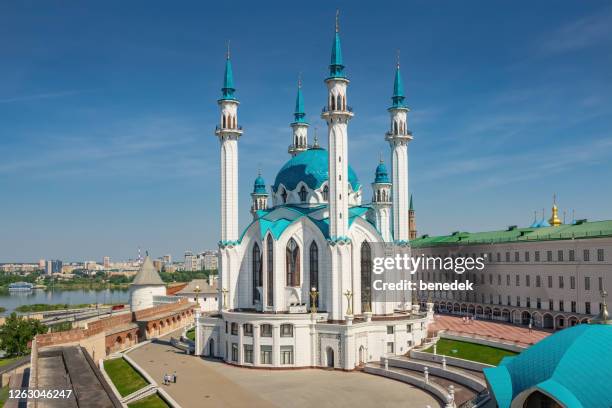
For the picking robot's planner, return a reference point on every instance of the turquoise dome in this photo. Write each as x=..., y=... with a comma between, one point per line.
x=574, y=366
x=260, y=186
x=382, y=176
x=310, y=167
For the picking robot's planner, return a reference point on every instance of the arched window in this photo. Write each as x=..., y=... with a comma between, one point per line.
x=333, y=102
x=314, y=269
x=366, y=277
x=292, y=263
x=395, y=127
x=339, y=102
x=303, y=193
x=326, y=193
x=223, y=121
x=284, y=196
x=270, y=270
x=257, y=272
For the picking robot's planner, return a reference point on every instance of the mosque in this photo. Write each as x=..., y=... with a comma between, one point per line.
x=295, y=285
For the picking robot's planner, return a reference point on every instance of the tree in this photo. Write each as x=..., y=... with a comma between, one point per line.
x=17, y=332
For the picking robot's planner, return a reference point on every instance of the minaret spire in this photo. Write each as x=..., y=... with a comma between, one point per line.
x=336, y=67
x=299, y=125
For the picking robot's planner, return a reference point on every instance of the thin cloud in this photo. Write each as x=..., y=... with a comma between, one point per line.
x=34, y=97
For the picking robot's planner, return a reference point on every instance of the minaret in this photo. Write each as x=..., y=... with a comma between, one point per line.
x=398, y=137
x=411, y=221
x=228, y=133
x=299, y=125
x=259, y=196
x=337, y=114
x=381, y=201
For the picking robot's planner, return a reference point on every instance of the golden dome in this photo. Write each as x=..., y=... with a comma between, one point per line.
x=554, y=220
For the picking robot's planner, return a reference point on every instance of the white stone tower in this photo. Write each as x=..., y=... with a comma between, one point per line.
x=337, y=114
x=145, y=286
x=259, y=196
x=299, y=125
x=381, y=201
x=398, y=137
x=228, y=133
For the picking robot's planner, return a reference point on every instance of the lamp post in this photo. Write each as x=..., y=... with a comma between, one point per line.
x=349, y=308
x=313, y=300
x=224, y=294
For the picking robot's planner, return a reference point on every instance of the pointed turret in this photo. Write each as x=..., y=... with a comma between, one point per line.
x=381, y=201
x=145, y=286
x=554, y=219
x=398, y=89
x=411, y=207
x=336, y=67
x=228, y=79
x=412, y=232
x=299, y=125
x=259, y=195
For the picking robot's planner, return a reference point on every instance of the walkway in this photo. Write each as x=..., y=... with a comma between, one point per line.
x=487, y=328
x=206, y=383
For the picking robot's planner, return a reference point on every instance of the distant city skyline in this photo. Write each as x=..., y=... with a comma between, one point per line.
x=107, y=114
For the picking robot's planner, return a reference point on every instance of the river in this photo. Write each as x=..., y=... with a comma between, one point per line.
x=10, y=301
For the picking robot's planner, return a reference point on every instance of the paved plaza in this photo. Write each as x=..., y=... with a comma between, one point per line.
x=487, y=328
x=207, y=383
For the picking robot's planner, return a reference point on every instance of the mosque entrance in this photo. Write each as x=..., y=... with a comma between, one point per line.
x=539, y=400
x=211, y=348
x=330, y=357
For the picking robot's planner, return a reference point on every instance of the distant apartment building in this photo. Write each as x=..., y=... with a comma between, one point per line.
x=53, y=266
x=167, y=259
x=209, y=260
x=107, y=262
x=191, y=262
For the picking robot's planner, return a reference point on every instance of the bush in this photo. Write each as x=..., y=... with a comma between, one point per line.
x=17, y=332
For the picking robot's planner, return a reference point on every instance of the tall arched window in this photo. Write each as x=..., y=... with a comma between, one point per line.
x=366, y=277
x=314, y=269
x=303, y=193
x=339, y=103
x=292, y=257
x=257, y=272
x=223, y=122
x=284, y=196
x=326, y=193
x=270, y=270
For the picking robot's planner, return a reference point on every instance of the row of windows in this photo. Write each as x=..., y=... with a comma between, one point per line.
x=445, y=277
x=286, y=330
x=560, y=256
x=265, y=354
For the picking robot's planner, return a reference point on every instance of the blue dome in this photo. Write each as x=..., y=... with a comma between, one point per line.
x=381, y=174
x=574, y=366
x=311, y=168
x=260, y=186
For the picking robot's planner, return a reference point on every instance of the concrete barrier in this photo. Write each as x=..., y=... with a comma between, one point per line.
x=453, y=361
x=438, y=391
x=460, y=377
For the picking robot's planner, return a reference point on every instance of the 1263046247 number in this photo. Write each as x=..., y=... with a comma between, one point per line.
x=39, y=394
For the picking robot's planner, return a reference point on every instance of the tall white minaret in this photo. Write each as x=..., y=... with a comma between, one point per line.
x=337, y=114
x=398, y=137
x=381, y=201
x=299, y=125
x=228, y=133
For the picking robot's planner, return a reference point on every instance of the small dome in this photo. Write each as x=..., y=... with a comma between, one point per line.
x=259, y=187
x=311, y=168
x=382, y=176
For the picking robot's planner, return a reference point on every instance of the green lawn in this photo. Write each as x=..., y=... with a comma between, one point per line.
x=152, y=401
x=5, y=361
x=191, y=334
x=4, y=393
x=122, y=374
x=471, y=351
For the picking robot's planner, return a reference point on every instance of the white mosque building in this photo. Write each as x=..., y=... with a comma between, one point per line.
x=295, y=285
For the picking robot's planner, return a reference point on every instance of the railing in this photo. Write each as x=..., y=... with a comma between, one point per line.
x=327, y=109
x=217, y=128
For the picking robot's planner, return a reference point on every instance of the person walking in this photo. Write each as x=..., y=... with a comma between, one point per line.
x=174, y=377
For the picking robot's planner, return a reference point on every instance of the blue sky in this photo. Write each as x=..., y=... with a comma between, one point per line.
x=107, y=113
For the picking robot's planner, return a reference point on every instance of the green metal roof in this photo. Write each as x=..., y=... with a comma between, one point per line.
x=579, y=230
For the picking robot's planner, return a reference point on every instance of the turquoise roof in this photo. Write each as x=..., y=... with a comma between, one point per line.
x=259, y=186
x=336, y=68
x=277, y=219
x=398, y=91
x=299, y=114
x=228, y=82
x=382, y=176
x=411, y=207
x=311, y=167
x=573, y=365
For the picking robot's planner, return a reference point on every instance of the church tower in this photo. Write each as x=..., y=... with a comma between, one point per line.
x=398, y=137
x=228, y=133
x=337, y=114
x=411, y=221
x=381, y=201
x=259, y=196
x=299, y=125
